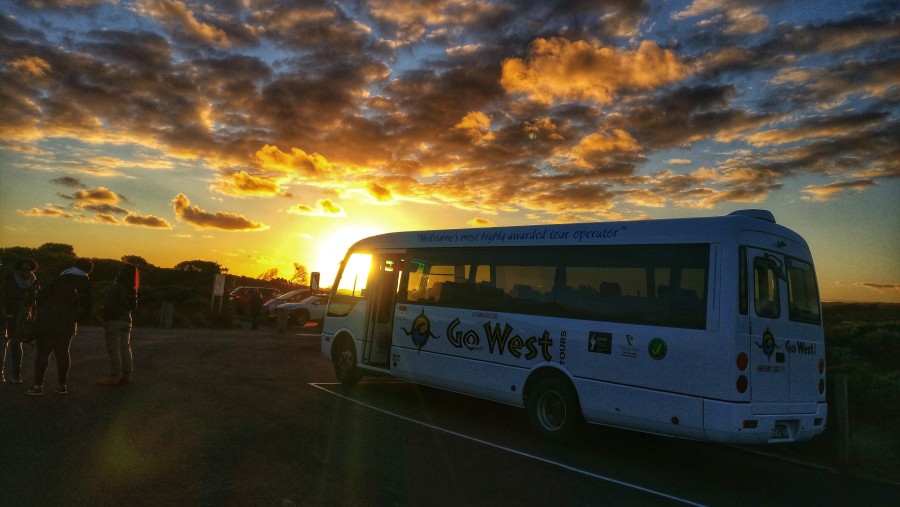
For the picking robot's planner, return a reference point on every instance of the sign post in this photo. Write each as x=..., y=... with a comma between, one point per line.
x=218, y=291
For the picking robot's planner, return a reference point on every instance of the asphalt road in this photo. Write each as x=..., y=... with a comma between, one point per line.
x=254, y=418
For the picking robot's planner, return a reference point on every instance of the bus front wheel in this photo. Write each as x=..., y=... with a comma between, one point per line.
x=553, y=410
x=345, y=364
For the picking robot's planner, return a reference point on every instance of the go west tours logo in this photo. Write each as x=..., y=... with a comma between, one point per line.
x=500, y=341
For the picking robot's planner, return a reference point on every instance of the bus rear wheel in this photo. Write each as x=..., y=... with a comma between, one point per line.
x=345, y=364
x=553, y=410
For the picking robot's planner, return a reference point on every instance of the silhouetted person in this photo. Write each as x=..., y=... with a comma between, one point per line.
x=17, y=300
x=121, y=300
x=61, y=304
x=255, y=307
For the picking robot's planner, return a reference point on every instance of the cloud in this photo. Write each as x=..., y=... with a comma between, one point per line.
x=147, y=221
x=104, y=208
x=96, y=195
x=177, y=18
x=241, y=184
x=818, y=128
x=297, y=162
x=481, y=222
x=68, y=181
x=832, y=190
x=561, y=70
x=737, y=18
x=476, y=125
x=323, y=208
x=881, y=287
x=536, y=108
x=380, y=193
x=34, y=67
x=49, y=210
x=201, y=219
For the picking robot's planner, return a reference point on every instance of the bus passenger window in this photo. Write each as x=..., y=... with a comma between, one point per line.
x=803, y=293
x=765, y=291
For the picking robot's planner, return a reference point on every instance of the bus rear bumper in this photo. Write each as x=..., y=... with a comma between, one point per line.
x=736, y=423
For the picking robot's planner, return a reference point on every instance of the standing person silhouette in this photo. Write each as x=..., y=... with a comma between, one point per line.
x=18, y=298
x=61, y=304
x=255, y=307
x=121, y=300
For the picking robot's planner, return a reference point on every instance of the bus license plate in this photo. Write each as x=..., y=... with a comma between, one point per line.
x=780, y=431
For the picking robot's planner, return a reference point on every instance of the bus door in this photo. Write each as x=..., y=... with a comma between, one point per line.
x=382, y=285
x=769, y=362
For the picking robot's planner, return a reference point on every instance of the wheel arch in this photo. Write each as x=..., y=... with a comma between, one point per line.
x=547, y=371
x=340, y=339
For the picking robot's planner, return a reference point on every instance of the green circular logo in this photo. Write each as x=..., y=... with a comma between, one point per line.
x=657, y=348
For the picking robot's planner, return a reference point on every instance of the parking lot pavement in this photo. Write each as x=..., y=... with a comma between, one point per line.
x=255, y=417
x=204, y=405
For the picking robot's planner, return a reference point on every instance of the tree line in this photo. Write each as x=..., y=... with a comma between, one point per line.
x=187, y=286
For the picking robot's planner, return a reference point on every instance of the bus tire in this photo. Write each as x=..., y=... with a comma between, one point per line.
x=345, y=363
x=553, y=410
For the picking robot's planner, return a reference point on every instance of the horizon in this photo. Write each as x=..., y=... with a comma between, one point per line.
x=261, y=135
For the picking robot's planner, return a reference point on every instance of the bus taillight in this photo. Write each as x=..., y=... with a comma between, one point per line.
x=742, y=384
x=742, y=361
x=821, y=366
x=821, y=386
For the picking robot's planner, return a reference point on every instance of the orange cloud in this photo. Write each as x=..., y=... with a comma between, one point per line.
x=481, y=222
x=96, y=195
x=323, y=208
x=33, y=66
x=560, y=70
x=476, y=125
x=297, y=161
x=178, y=17
x=147, y=221
x=241, y=183
x=832, y=190
x=201, y=219
x=597, y=145
x=48, y=211
x=380, y=193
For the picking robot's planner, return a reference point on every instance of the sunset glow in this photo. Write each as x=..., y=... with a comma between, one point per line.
x=263, y=134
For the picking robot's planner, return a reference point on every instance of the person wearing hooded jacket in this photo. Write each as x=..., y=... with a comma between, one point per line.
x=18, y=298
x=62, y=303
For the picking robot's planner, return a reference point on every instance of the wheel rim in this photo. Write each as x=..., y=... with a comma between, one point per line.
x=551, y=410
x=345, y=362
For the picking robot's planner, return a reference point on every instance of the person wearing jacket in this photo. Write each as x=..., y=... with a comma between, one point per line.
x=121, y=300
x=18, y=298
x=62, y=303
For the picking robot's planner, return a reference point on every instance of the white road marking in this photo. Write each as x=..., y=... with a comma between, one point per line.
x=587, y=473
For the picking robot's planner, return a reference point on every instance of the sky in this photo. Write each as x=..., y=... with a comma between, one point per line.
x=258, y=134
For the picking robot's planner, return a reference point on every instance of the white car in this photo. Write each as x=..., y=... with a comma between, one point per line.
x=295, y=296
x=310, y=309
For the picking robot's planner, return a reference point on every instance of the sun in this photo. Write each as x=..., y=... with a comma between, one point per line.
x=332, y=248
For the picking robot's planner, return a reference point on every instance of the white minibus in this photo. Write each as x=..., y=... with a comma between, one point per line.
x=702, y=328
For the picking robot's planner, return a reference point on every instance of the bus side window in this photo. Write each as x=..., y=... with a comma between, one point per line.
x=766, y=296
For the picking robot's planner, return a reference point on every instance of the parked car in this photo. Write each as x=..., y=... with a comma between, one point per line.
x=241, y=296
x=294, y=296
x=310, y=309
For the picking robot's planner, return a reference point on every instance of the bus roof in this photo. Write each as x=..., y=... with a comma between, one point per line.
x=675, y=230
